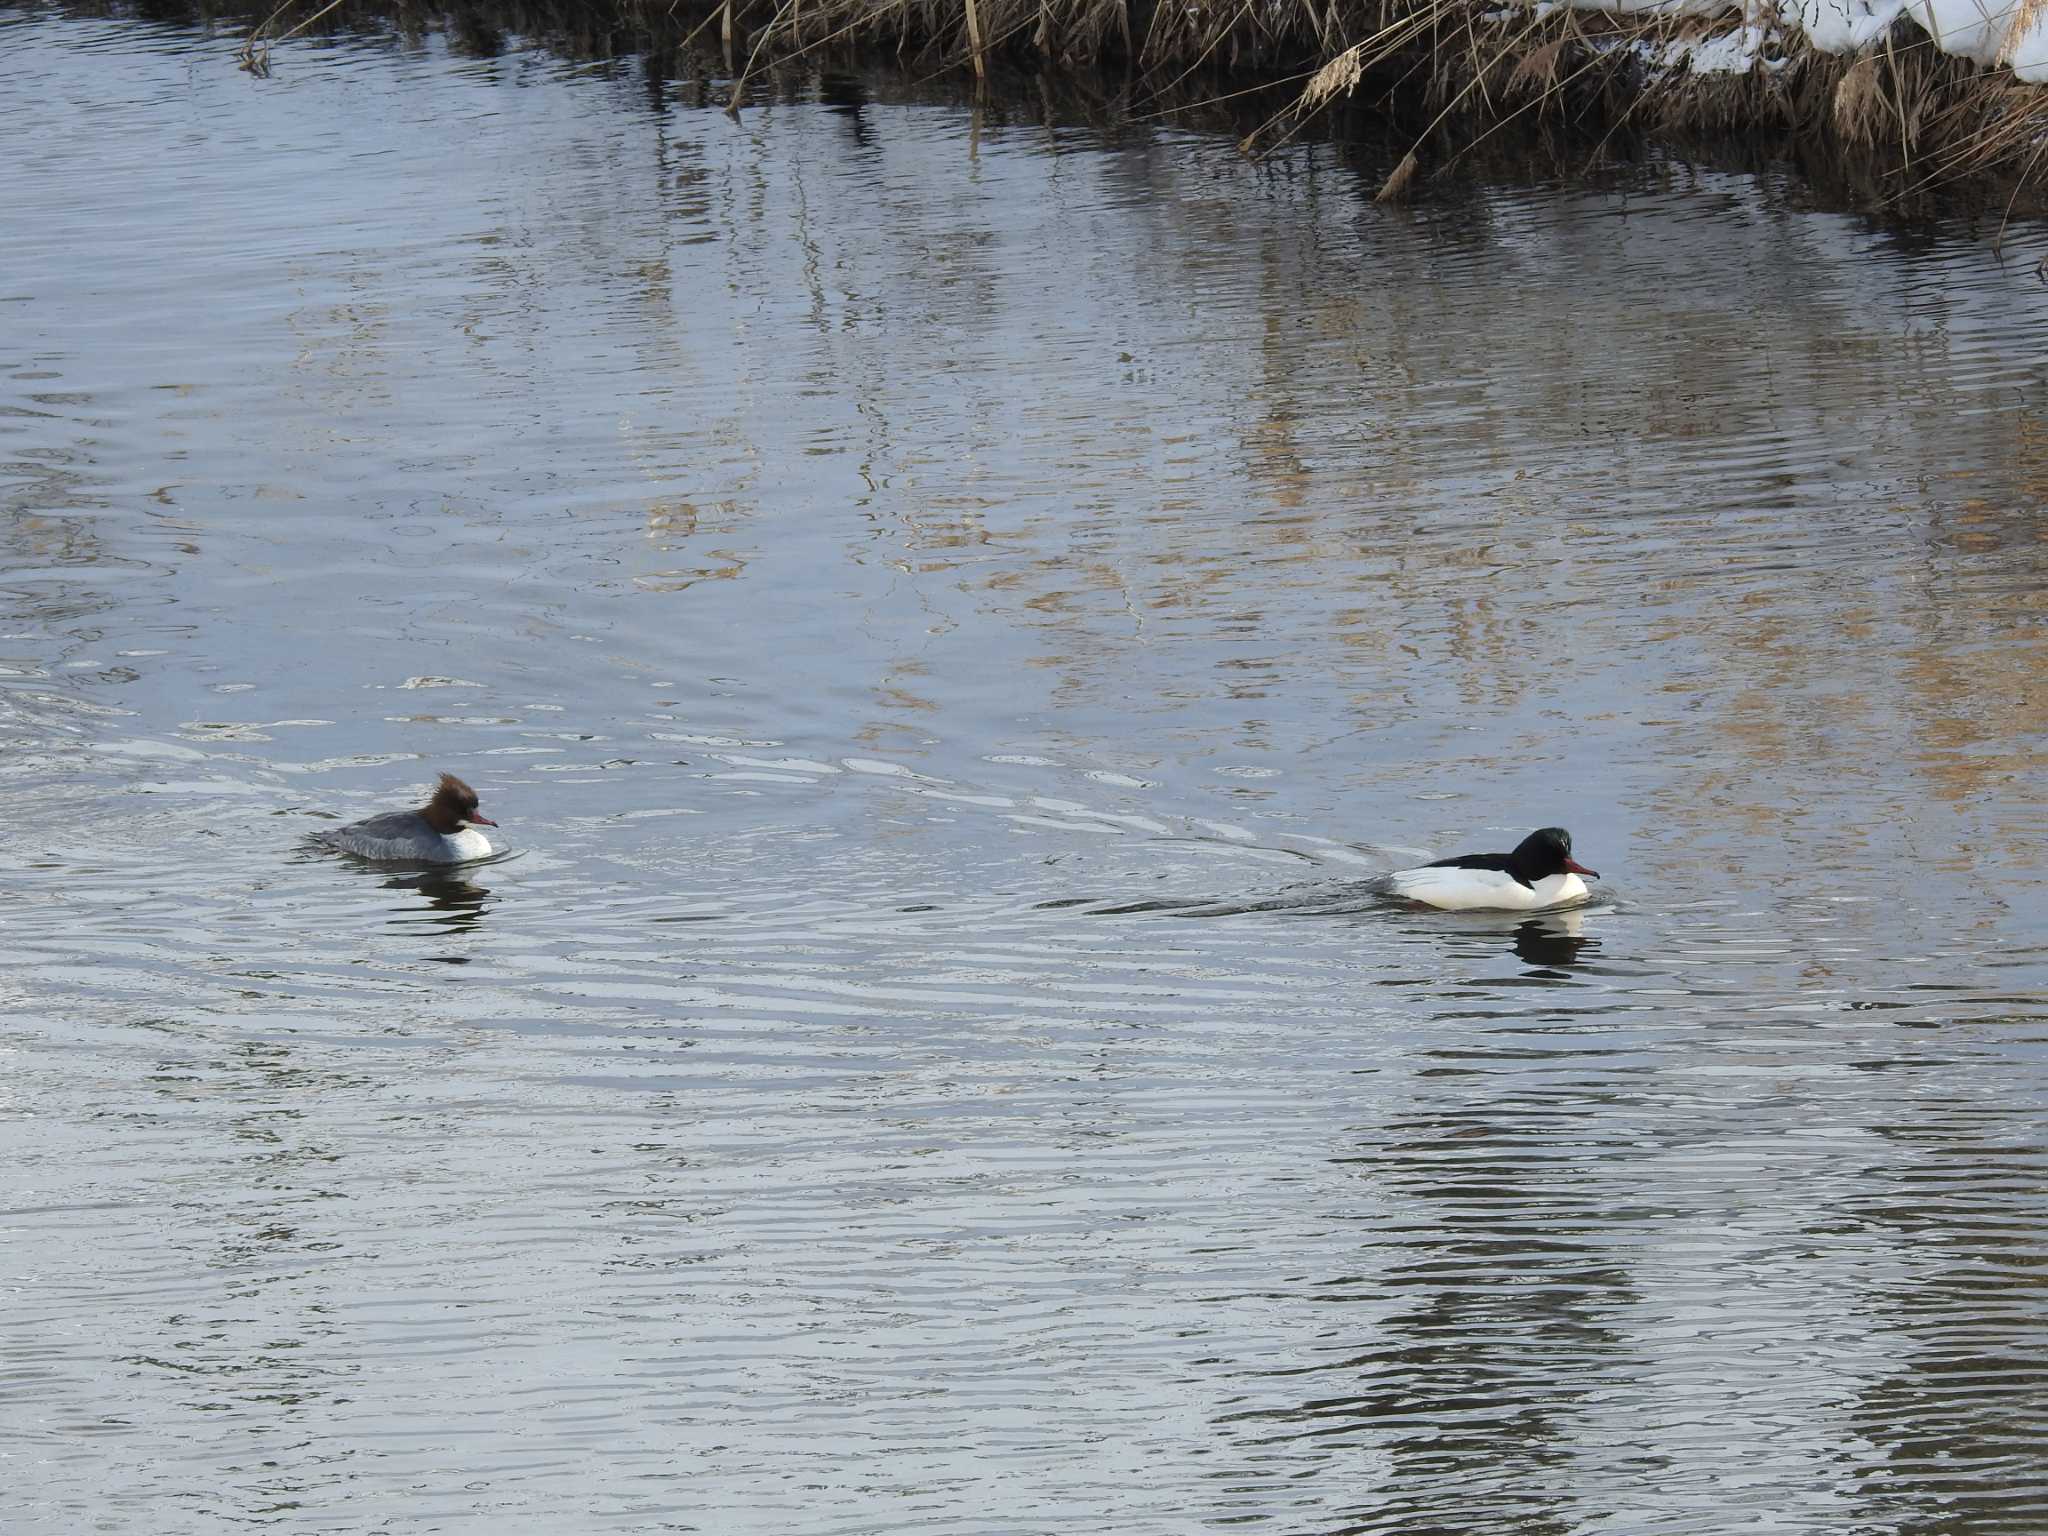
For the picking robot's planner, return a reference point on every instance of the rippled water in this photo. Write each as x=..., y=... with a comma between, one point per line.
x=946, y=612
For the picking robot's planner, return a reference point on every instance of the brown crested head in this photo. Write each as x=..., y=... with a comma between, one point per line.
x=453, y=805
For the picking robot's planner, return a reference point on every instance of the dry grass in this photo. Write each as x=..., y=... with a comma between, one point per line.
x=1923, y=118
x=255, y=54
x=1916, y=116
x=1862, y=114
x=2024, y=15
x=1338, y=77
x=1395, y=188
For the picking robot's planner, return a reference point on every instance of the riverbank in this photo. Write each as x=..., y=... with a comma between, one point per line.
x=1904, y=100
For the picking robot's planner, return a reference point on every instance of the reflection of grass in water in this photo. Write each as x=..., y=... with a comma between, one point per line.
x=1899, y=120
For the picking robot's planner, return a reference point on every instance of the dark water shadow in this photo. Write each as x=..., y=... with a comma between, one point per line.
x=1553, y=945
x=454, y=904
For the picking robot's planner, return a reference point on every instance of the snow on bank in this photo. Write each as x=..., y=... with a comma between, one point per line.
x=1980, y=30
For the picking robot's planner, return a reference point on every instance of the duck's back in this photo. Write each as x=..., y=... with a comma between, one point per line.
x=406, y=835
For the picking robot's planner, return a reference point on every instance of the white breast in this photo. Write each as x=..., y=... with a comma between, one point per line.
x=1563, y=890
x=471, y=844
x=1473, y=890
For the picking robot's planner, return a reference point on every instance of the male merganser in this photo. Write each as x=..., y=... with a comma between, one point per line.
x=1539, y=873
x=439, y=832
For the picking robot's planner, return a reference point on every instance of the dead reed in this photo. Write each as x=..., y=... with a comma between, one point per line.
x=1916, y=118
x=1921, y=117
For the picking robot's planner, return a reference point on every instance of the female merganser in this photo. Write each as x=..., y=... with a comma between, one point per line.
x=439, y=832
x=1539, y=873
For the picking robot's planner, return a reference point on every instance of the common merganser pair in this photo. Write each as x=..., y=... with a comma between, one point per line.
x=1540, y=873
x=443, y=831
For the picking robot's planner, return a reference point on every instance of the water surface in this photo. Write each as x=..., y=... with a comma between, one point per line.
x=946, y=609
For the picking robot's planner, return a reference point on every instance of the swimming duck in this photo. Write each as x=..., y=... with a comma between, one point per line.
x=443, y=831
x=1539, y=873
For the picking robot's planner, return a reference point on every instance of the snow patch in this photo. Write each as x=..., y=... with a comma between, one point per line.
x=1978, y=30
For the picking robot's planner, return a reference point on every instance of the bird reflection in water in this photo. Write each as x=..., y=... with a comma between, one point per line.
x=1554, y=941
x=455, y=904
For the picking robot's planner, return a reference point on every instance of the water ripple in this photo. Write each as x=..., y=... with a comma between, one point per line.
x=952, y=612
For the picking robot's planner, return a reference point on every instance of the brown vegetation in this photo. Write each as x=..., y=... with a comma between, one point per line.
x=1910, y=118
